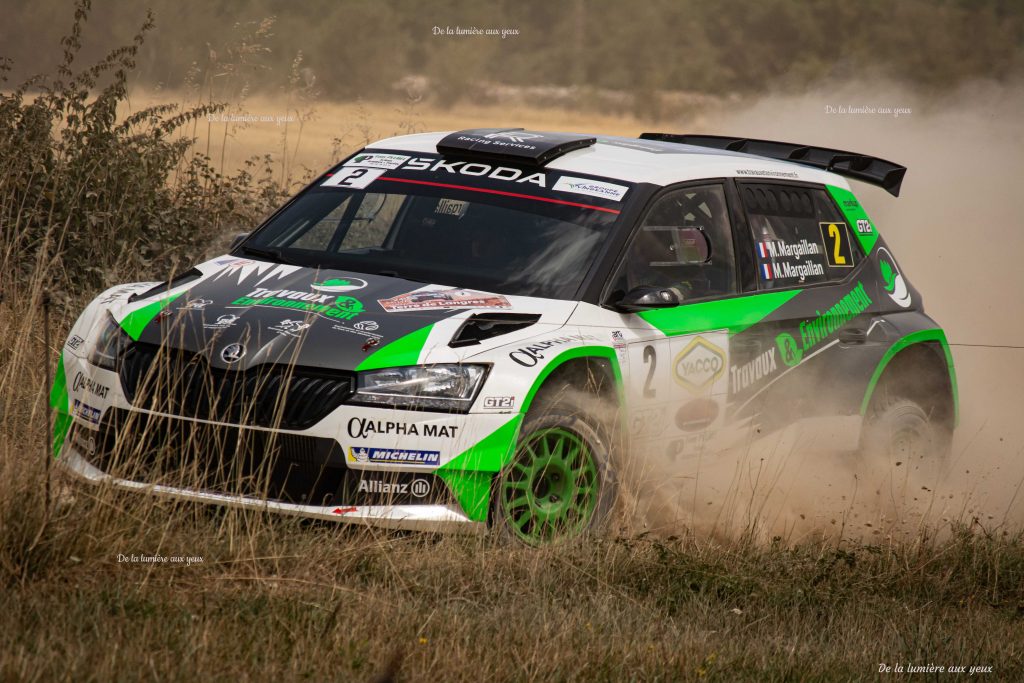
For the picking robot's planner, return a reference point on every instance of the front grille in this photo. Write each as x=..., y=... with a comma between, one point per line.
x=269, y=395
x=255, y=463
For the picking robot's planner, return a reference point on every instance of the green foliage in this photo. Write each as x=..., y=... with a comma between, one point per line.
x=88, y=197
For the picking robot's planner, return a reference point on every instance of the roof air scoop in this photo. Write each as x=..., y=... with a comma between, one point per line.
x=513, y=145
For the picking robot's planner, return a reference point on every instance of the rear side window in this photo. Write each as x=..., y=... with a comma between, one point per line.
x=799, y=236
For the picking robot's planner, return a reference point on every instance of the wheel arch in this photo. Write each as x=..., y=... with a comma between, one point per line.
x=921, y=363
x=470, y=475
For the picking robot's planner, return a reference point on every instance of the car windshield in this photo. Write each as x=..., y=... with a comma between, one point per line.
x=518, y=241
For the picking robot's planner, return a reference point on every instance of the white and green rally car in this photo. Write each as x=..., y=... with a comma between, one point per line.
x=476, y=328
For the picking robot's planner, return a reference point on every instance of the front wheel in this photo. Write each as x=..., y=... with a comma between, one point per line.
x=558, y=485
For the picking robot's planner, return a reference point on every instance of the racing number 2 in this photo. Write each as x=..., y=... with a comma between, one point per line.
x=837, y=244
x=356, y=178
x=650, y=359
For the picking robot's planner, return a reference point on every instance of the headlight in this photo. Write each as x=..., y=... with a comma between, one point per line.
x=446, y=387
x=111, y=343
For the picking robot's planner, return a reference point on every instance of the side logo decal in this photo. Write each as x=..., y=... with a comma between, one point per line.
x=892, y=279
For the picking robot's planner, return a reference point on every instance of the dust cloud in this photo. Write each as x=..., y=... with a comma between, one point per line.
x=958, y=237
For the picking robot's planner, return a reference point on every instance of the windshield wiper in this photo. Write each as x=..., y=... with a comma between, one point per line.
x=272, y=254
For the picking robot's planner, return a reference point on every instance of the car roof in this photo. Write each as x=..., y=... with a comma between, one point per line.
x=648, y=161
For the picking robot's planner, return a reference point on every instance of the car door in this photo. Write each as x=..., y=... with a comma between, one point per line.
x=678, y=357
x=798, y=359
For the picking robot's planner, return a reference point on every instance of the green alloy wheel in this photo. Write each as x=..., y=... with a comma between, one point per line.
x=557, y=485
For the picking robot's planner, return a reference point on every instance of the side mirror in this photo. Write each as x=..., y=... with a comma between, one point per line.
x=643, y=298
x=238, y=239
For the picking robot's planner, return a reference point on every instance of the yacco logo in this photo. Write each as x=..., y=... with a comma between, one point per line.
x=699, y=364
x=339, y=307
x=815, y=330
x=512, y=175
x=338, y=285
x=892, y=280
x=394, y=456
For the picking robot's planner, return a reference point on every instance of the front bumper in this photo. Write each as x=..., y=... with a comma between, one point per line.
x=411, y=517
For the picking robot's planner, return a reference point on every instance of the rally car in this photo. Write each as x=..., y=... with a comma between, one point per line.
x=477, y=328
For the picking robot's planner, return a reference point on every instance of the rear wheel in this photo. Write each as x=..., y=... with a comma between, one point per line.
x=900, y=431
x=558, y=484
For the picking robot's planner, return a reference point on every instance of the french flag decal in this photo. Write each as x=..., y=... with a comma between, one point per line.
x=762, y=249
x=766, y=268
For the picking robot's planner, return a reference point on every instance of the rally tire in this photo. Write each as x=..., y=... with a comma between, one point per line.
x=559, y=484
x=900, y=430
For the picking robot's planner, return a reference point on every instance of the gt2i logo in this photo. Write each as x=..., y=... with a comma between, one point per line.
x=699, y=365
x=864, y=227
x=496, y=402
x=814, y=331
x=528, y=356
x=361, y=427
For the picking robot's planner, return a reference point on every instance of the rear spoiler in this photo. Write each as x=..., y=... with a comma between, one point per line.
x=861, y=167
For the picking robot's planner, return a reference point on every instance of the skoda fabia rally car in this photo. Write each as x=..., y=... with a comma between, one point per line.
x=477, y=328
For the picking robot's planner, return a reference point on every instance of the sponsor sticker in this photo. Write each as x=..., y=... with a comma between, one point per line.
x=354, y=178
x=393, y=456
x=498, y=402
x=441, y=299
x=337, y=285
x=528, y=356
x=222, y=322
x=82, y=382
x=451, y=207
x=892, y=279
x=290, y=328
x=364, y=328
x=773, y=174
x=74, y=342
x=338, y=307
x=376, y=160
x=195, y=305
x=757, y=369
x=86, y=412
x=361, y=427
x=815, y=330
x=699, y=365
x=592, y=188
x=418, y=487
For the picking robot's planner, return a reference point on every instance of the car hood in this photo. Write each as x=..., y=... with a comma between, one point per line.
x=243, y=312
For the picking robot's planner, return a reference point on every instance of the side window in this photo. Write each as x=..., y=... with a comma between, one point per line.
x=799, y=236
x=685, y=243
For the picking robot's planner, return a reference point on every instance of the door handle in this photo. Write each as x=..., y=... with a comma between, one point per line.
x=853, y=336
